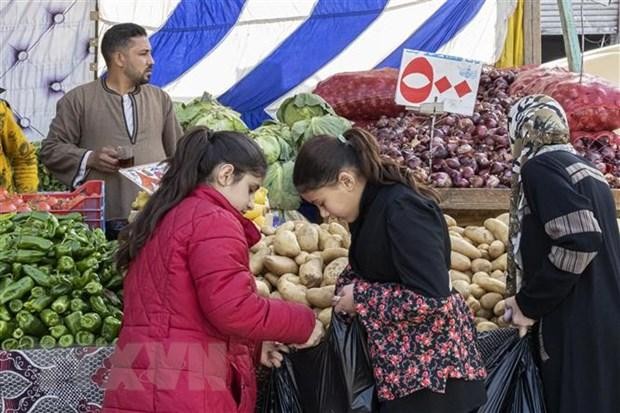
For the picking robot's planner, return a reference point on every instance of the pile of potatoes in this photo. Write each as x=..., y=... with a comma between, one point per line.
x=300, y=262
x=478, y=269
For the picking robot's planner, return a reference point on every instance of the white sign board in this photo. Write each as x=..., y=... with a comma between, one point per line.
x=427, y=78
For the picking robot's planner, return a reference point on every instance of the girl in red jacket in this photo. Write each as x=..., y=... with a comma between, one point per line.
x=194, y=324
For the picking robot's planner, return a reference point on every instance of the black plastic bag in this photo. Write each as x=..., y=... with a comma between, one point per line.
x=336, y=376
x=513, y=384
x=280, y=393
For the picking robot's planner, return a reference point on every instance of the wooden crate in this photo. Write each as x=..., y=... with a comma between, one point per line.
x=472, y=206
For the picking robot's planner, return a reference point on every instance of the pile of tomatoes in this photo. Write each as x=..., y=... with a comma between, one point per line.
x=34, y=202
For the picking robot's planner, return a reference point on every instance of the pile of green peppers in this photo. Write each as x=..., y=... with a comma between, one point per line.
x=59, y=286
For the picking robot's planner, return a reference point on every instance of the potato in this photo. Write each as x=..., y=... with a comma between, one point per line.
x=267, y=230
x=500, y=308
x=455, y=234
x=275, y=295
x=331, y=254
x=505, y=218
x=261, y=288
x=462, y=287
x=480, y=264
x=257, y=260
x=484, y=313
x=333, y=270
x=273, y=279
x=292, y=292
x=298, y=225
x=335, y=241
x=321, y=297
x=476, y=291
x=325, y=316
x=290, y=278
x=337, y=229
x=498, y=275
x=280, y=265
x=486, y=326
x=496, y=249
x=493, y=285
x=324, y=226
x=478, y=320
x=287, y=226
x=286, y=245
x=489, y=300
x=501, y=262
x=479, y=276
x=268, y=240
x=502, y=323
x=479, y=235
x=473, y=304
x=461, y=246
x=458, y=230
x=498, y=229
x=259, y=246
x=324, y=236
x=311, y=273
x=302, y=258
x=484, y=254
x=308, y=237
x=451, y=222
x=346, y=241
x=457, y=275
x=483, y=247
x=459, y=261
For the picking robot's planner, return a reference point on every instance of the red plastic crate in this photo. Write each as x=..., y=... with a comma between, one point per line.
x=89, y=202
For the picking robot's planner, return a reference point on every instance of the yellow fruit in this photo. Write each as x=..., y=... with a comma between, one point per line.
x=260, y=221
x=260, y=197
x=257, y=211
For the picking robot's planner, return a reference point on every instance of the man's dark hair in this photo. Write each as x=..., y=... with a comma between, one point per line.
x=118, y=37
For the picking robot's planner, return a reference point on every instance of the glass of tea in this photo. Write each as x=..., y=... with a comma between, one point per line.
x=125, y=156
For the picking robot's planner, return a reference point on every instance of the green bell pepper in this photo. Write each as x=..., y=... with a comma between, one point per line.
x=65, y=264
x=39, y=277
x=6, y=329
x=101, y=342
x=90, y=322
x=72, y=321
x=47, y=342
x=61, y=304
x=37, y=291
x=5, y=268
x=10, y=344
x=22, y=256
x=58, y=331
x=38, y=304
x=112, y=298
x=94, y=288
x=77, y=304
x=88, y=263
x=5, y=315
x=110, y=329
x=16, y=305
x=27, y=342
x=97, y=304
x=16, y=269
x=6, y=226
x=16, y=289
x=115, y=282
x=50, y=318
x=66, y=341
x=62, y=250
x=117, y=313
x=18, y=333
x=28, y=242
x=60, y=289
x=30, y=323
x=85, y=339
x=80, y=281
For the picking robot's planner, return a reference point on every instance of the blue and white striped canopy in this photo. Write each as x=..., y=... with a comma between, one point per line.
x=254, y=53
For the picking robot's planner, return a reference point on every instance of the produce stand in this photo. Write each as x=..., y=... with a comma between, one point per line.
x=471, y=206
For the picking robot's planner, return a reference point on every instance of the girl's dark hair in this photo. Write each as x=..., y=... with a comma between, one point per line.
x=322, y=158
x=198, y=152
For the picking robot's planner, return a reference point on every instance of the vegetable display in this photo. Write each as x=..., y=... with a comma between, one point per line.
x=58, y=283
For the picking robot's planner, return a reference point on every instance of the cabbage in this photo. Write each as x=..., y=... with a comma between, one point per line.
x=282, y=135
x=331, y=125
x=207, y=111
x=302, y=107
x=270, y=145
x=279, y=183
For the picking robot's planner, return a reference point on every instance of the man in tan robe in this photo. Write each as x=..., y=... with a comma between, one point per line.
x=94, y=120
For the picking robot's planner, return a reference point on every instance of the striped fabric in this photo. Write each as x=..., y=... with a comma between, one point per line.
x=576, y=222
x=252, y=54
x=571, y=261
x=579, y=171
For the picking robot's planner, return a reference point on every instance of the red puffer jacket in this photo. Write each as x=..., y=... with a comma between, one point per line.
x=193, y=321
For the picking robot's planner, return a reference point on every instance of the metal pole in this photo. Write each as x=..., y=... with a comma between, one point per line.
x=569, y=33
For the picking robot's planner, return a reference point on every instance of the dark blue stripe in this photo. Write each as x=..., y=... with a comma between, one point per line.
x=331, y=27
x=190, y=33
x=441, y=27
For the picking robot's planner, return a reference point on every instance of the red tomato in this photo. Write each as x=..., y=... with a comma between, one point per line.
x=18, y=201
x=6, y=207
x=52, y=201
x=24, y=208
x=42, y=206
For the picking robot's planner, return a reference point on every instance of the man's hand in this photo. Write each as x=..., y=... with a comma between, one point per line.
x=343, y=302
x=104, y=160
